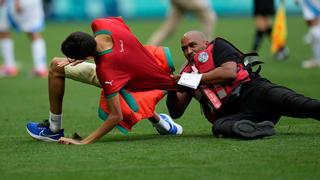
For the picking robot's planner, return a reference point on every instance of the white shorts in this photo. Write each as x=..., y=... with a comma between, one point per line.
x=30, y=19
x=311, y=9
x=84, y=72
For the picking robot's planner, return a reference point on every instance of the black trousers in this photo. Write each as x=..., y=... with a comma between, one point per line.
x=260, y=100
x=263, y=7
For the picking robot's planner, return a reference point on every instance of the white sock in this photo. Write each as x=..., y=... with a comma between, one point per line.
x=8, y=53
x=55, y=122
x=39, y=54
x=162, y=124
x=315, y=34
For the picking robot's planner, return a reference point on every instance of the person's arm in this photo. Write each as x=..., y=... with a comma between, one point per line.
x=115, y=116
x=222, y=74
x=226, y=56
x=177, y=102
x=225, y=73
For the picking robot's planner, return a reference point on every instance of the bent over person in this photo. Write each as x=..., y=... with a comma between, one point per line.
x=237, y=101
x=132, y=77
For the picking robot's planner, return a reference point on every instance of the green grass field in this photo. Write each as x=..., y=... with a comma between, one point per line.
x=293, y=153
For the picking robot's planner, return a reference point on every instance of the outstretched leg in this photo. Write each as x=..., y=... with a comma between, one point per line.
x=279, y=100
x=234, y=127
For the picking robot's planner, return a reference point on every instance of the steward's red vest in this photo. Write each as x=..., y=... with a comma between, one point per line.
x=204, y=62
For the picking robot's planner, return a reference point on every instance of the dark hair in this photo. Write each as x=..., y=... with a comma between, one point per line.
x=79, y=45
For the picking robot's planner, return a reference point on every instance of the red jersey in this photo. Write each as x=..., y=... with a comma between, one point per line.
x=128, y=64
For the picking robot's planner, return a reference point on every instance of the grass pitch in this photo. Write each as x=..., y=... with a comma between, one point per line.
x=293, y=153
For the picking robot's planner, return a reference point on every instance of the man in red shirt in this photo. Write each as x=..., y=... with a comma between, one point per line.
x=123, y=65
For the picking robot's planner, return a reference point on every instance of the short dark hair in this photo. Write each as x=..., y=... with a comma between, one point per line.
x=79, y=45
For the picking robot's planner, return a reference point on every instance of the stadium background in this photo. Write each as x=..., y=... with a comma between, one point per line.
x=142, y=9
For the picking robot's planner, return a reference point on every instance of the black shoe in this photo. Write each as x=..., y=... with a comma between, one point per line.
x=251, y=130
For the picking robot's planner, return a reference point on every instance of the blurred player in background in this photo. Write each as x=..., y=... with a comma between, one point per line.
x=263, y=11
x=311, y=14
x=26, y=16
x=179, y=8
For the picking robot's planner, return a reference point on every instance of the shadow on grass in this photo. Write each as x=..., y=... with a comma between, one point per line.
x=185, y=137
x=300, y=134
x=144, y=137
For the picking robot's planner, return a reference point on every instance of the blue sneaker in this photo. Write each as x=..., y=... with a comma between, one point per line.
x=175, y=129
x=41, y=131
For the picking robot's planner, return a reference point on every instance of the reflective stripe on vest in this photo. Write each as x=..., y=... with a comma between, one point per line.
x=206, y=91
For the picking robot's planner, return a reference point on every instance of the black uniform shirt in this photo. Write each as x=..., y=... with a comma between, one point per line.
x=224, y=51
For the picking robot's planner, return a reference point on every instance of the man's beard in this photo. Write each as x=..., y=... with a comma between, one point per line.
x=190, y=57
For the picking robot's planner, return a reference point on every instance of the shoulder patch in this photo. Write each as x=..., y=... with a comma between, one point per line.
x=203, y=57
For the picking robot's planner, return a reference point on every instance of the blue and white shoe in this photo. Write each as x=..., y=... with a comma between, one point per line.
x=175, y=129
x=41, y=131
